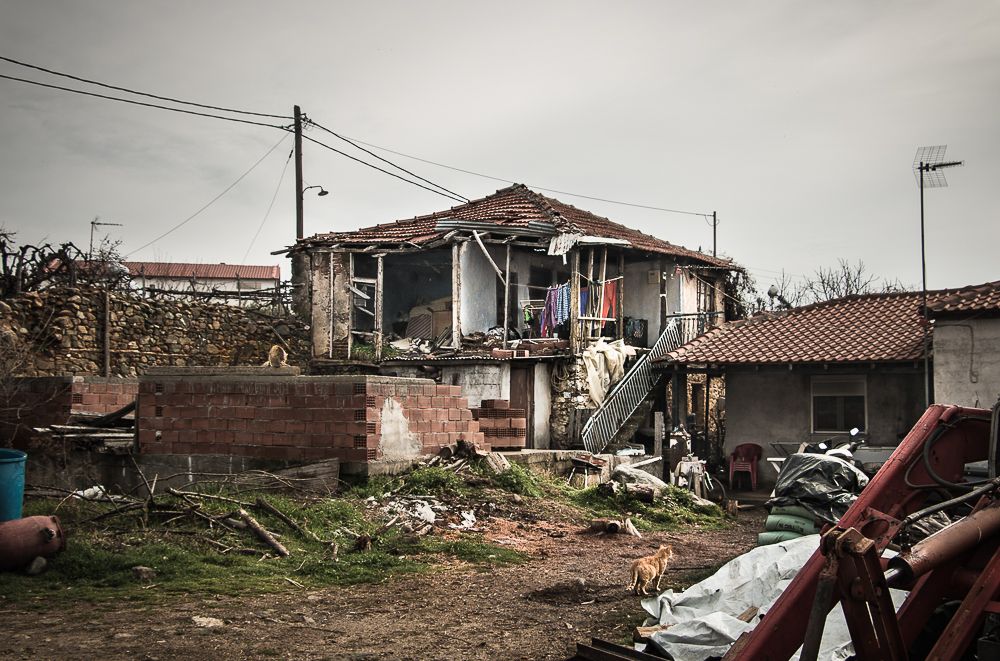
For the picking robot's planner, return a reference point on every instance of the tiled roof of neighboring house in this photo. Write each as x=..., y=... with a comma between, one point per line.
x=213, y=271
x=975, y=298
x=863, y=328
x=516, y=206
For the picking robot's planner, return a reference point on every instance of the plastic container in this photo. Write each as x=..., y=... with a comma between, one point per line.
x=11, y=483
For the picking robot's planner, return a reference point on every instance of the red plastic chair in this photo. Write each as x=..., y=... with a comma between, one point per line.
x=744, y=459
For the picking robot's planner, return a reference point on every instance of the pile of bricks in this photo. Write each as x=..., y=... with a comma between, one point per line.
x=504, y=428
x=302, y=418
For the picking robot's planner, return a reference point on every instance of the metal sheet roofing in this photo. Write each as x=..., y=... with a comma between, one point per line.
x=514, y=207
x=854, y=329
x=213, y=271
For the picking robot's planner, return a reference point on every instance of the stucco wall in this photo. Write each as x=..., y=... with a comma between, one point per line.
x=642, y=297
x=967, y=362
x=479, y=289
x=773, y=405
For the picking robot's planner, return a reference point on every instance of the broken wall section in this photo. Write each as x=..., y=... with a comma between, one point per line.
x=256, y=413
x=28, y=402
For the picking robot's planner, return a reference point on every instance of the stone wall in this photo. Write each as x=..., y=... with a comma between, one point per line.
x=64, y=332
x=270, y=414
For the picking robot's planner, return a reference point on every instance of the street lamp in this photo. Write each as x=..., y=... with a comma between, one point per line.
x=321, y=193
x=94, y=223
x=928, y=164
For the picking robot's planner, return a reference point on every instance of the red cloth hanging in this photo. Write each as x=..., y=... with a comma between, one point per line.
x=610, y=306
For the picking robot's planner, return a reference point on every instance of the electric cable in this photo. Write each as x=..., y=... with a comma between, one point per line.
x=131, y=91
x=269, y=206
x=371, y=153
x=548, y=190
x=141, y=103
x=375, y=167
x=212, y=201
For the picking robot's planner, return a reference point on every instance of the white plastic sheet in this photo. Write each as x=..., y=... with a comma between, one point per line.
x=703, y=618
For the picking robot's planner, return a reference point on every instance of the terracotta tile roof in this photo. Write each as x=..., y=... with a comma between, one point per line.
x=215, y=271
x=515, y=206
x=975, y=298
x=854, y=329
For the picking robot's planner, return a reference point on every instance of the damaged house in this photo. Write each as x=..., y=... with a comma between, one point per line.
x=510, y=297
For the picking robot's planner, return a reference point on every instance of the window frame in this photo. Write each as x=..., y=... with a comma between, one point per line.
x=837, y=386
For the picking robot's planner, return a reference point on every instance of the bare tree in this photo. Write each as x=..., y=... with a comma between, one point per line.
x=27, y=267
x=845, y=279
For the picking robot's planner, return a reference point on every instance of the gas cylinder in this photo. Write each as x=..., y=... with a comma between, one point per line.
x=23, y=540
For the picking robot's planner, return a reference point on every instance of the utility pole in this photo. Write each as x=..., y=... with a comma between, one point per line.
x=300, y=290
x=715, y=224
x=299, y=216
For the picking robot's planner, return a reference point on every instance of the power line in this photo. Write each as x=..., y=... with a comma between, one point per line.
x=131, y=91
x=212, y=201
x=141, y=103
x=399, y=167
x=375, y=167
x=269, y=207
x=509, y=181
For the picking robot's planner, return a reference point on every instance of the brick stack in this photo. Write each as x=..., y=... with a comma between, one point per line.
x=93, y=394
x=504, y=428
x=255, y=413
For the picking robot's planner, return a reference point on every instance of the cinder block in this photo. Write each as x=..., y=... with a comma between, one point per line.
x=495, y=404
x=518, y=423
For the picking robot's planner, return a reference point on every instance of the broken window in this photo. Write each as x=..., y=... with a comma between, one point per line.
x=838, y=403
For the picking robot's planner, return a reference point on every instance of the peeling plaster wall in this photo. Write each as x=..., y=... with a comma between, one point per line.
x=321, y=308
x=340, y=307
x=543, y=406
x=642, y=298
x=397, y=441
x=967, y=362
x=479, y=289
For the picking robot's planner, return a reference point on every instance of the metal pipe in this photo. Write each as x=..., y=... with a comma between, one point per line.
x=945, y=545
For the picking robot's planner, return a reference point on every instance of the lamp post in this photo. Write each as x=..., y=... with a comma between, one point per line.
x=928, y=166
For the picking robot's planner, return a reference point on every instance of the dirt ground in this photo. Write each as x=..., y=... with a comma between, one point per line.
x=572, y=589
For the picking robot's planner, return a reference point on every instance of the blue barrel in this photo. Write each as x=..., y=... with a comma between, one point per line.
x=11, y=483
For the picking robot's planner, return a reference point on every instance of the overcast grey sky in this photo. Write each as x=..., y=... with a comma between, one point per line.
x=796, y=121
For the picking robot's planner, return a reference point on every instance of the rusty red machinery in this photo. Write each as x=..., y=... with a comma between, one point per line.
x=953, y=576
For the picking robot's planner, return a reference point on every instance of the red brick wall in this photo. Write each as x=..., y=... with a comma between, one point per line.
x=97, y=395
x=28, y=402
x=294, y=418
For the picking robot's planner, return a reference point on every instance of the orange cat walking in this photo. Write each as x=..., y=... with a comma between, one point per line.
x=644, y=570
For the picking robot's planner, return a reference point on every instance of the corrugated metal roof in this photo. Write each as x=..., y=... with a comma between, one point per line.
x=215, y=271
x=514, y=207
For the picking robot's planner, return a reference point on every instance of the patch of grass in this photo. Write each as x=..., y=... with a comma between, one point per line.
x=431, y=480
x=676, y=508
x=473, y=549
x=519, y=480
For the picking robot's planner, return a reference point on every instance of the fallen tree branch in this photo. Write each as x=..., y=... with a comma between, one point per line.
x=264, y=535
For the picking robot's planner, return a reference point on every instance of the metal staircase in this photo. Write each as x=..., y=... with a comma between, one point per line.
x=625, y=396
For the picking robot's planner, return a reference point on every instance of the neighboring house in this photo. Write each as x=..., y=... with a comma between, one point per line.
x=967, y=345
x=441, y=278
x=814, y=372
x=203, y=278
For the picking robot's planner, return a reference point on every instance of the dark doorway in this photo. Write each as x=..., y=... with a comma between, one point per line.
x=522, y=396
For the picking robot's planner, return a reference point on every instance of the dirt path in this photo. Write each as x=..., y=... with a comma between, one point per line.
x=573, y=588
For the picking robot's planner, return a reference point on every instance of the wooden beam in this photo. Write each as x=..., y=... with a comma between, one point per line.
x=574, y=302
x=506, y=296
x=621, y=295
x=590, y=293
x=378, y=307
x=600, y=301
x=456, y=295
